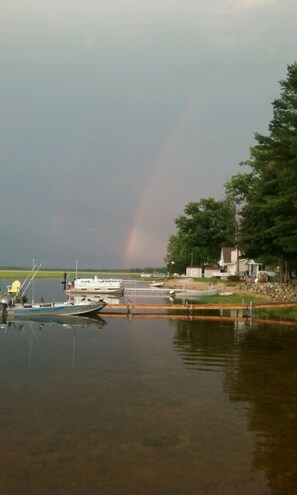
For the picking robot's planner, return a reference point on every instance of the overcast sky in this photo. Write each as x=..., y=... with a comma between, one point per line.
x=115, y=114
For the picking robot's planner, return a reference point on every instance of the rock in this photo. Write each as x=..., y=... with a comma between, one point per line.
x=274, y=291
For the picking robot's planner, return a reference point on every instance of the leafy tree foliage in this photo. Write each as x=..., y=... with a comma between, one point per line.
x=204, y=228
x=268, y=204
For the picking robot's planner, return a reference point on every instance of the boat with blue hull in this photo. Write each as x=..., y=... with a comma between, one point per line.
x=83, y=307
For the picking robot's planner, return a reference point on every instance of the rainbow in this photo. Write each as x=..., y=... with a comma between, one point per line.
x=154, y=208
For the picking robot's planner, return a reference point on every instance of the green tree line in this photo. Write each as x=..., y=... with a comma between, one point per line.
x=259, y=211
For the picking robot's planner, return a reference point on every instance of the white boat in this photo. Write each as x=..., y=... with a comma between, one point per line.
x=196, y=293
x=96, y=285
x=69, y=308
x=157, y=284
x=148, y=291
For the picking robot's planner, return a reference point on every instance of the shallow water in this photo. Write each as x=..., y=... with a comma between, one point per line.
x=129, y=406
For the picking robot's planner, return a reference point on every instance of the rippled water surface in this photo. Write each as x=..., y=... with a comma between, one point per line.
x=130, y=406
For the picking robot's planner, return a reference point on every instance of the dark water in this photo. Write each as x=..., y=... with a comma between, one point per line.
x=128, y=406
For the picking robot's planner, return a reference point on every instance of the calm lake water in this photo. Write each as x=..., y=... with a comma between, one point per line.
x=141, y=407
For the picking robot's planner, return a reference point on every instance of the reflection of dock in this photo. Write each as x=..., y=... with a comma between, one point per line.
x=184, y=317
x=171, y=307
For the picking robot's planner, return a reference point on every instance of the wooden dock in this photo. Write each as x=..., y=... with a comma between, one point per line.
x=138, y=308
x=152, y=309
x=188, y=312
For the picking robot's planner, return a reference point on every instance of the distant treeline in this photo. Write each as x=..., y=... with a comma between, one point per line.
x=97, y=270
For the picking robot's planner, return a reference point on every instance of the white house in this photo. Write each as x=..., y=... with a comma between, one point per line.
x=231, y=263
x=229, y=260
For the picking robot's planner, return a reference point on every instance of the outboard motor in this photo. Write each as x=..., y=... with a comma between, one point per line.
x=3, y=304
x=64, y=281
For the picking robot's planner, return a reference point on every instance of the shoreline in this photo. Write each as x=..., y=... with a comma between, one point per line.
x=269, y=291
x=192, y=285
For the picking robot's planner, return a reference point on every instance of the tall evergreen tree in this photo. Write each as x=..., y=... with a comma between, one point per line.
x=269, y=216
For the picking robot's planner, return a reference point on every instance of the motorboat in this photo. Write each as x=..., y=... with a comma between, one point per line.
x=68, y=308
x=96, y=285
x=157, y=284
x=196, y=293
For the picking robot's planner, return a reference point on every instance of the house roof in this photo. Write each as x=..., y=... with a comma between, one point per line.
x=226, y=254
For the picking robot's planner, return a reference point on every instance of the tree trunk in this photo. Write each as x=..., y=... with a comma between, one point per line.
x=281, y=269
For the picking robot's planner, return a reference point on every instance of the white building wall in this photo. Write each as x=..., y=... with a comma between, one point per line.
x=209, y=272
x=194, y=271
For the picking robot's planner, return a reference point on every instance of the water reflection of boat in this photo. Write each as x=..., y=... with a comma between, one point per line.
x=32, y=328
x=66, y=321
x=95, y=298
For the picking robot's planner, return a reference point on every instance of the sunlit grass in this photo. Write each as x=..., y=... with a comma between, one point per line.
x=22, y=274
x=231, y=299
x=282, y=314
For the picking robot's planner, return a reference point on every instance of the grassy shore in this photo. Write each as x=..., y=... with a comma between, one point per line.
x=22, y=274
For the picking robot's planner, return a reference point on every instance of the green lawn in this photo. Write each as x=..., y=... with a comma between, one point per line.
x=22, y=274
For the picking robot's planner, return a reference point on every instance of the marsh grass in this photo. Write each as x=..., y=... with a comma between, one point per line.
x=281, y=314
x=22, y=274
x=273, y=313
x=232, y=299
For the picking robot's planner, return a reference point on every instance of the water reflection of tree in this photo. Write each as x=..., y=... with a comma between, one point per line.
x=266, y=378
x=260, y=369
x=205, y=342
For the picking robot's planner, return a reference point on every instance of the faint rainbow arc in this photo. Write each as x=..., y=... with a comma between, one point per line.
x=133, y=238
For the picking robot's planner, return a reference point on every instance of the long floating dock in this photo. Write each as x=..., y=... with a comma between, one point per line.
x=136, y=308
x=151, y=309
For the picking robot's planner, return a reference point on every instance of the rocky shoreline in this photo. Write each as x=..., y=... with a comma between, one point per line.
x=273, y=292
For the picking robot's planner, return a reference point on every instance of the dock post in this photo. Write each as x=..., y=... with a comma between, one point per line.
x=251, y=309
